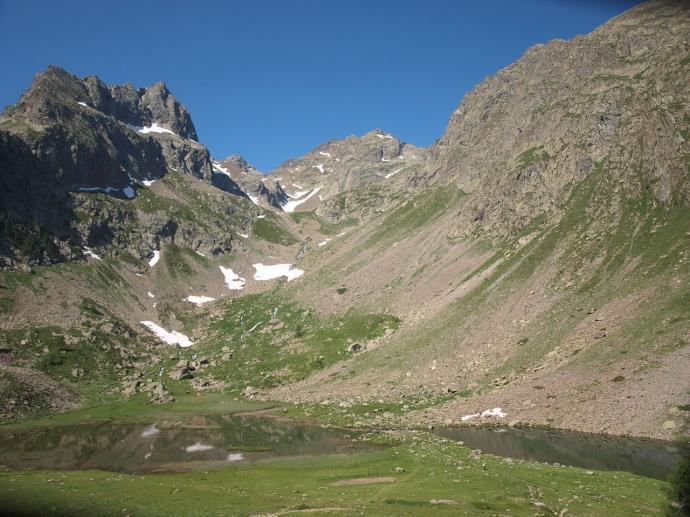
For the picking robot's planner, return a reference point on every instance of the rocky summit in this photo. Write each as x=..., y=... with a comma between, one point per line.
x=529, y=270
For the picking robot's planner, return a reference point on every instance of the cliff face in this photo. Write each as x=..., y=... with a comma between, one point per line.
x=523, y=138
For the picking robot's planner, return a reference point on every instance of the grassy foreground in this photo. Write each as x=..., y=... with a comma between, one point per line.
x=418, y=474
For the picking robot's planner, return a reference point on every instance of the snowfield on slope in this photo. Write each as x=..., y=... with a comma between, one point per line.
x=232, y=279
x=291, y=205
x=171, y=338
x=198, y=300
x=264, y=272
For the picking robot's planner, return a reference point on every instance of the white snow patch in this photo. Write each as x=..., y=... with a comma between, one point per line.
x=156, y=257
x=151, y=295
x=149, y=431
x=235, y=456
x=291, y=205
x=264, y=272
x=392, y=173
x=87, y=251
x=320, y=197
x=154, y=128
x=298, y=194
x=217, y=167
x=83, y=104
x=319, y=166
x=401, y=157
x=323, y=243
x=243, y=235
x=232, y=279
x=341, y=234
x=254, y=199
x=198, y=300
x=261, y=216
x=199, y=253
x=148, y=183
x=198, y=447
x=297, y=186
x=496, y=412
x=171, y=338
x=384, y=159
x=324, y=154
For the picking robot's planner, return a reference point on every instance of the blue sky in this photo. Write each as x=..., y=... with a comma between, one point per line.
x=273, y=79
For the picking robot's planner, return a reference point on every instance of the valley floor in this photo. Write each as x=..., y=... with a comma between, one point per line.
x=415, y=473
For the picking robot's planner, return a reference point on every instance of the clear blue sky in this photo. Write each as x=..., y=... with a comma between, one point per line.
x=273, y=79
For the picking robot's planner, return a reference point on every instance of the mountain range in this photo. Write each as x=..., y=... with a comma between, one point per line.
x=535, y=258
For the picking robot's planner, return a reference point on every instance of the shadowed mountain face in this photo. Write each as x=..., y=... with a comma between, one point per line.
x=67, y=135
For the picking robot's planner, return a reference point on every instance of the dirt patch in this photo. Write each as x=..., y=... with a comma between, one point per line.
x=364, y=481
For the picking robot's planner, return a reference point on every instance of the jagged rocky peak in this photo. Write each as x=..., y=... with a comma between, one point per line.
x=90, y=135
x=376, y=158
x=254, y=184
x=152, y=107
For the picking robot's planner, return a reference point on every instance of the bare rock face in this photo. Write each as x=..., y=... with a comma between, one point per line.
x=352, y=177
x=525, y=137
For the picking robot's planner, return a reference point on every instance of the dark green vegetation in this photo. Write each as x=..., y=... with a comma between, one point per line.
x=679, y=490
x=270, y=230
x=325, y=226
x=265, y=339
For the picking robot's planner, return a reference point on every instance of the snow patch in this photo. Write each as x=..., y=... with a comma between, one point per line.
x=198, y=447
x=232, y=279
x=199, y=253
x=171, y=338
x=291, y=205
x=254, y=199
x=151, y=295
x=297, y=194
x=495, y=412
x=264, y=272
x=217, y=167
x=392, y=173
x=198, y=300
x=297, y=186
x=83, y=104
x=87, y=251
x=153, y=128
x=323, y=243
x=319, y=166
x=148, y=183
x=243, y=235
x=324, y=154
x=261, y=216
x=149, y=431
x=156, y=257
x=235, y=456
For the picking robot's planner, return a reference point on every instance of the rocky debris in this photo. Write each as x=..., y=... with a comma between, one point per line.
x=250, y=392
x=356, y=347
x=181, y=371
x=158, y=392
x=25, y=392
x=207, y=385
